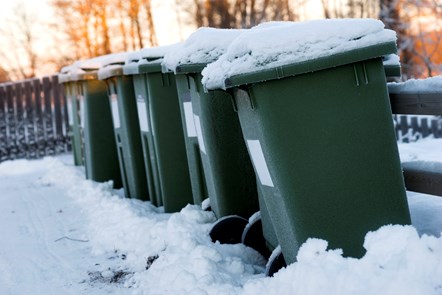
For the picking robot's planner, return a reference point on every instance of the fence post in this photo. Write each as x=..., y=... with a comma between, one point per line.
x=58, y=116
x=39, y=122
x=10, y=107
x=3, y=131
x=47, y=117
x=30, y=120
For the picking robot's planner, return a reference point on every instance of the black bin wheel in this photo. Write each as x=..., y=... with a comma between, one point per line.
x=228, y=229
x=275, y=263
x=254, y=238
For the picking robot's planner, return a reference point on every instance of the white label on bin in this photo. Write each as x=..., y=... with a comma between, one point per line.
x=199, y=133
x=142, y=115
x=259, y=162
x=115, y=113
x=70, y=112
x=190, y=124
x=82, y=111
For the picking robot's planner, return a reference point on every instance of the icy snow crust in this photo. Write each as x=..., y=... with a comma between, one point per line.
x=428, y=85
x=281, y=44
x=203, y=46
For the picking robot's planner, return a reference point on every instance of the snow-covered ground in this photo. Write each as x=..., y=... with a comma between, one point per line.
x=62, y=234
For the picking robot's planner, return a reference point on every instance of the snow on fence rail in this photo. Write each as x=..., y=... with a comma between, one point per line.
x=33, y=119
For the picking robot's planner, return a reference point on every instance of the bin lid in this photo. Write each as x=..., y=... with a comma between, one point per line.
x=275, y=52
x=392, y=65
x=150, y=66
x=203, y=46
x=65, y=74
x=88, y=69
x=112, y=65
x=131, y=66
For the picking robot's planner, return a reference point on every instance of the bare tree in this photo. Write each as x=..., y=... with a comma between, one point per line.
x=150, y=24
x=240, y=13
x=21, y=37
x=4, y=75
x=419, y=31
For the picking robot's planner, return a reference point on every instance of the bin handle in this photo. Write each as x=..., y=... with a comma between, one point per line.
x=244, y=90
x=364, y=70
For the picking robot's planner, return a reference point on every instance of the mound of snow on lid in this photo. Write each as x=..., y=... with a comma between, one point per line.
x=428, y=85
x=278, y=45
x=203, y=46
x=152, y=52
x=101, y=61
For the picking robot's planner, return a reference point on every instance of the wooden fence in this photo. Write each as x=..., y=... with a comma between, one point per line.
x=422, y=178
x=410, y=128
x=33, y=119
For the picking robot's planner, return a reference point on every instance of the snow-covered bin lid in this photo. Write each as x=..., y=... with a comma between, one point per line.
x=392, y=65
x=87, y=69
x=111, y=65
x=278, y=51
x=151, y=66
x=146, y=55
x=203, y=46
x=65, y=74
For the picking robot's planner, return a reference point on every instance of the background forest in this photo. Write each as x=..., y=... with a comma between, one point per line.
x=87, y=28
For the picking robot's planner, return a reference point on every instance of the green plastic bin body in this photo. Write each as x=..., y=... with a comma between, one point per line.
x=73, y=105
x=168, y=137
x=268, y=230
x=231, y=181
x=126, y=131
x=101, y=158
x=322, y=142
x=196, y=170
x=147, y=141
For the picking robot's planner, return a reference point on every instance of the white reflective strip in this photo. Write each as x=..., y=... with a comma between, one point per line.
x=259, y=162
x=115, y=113
x=142, y=115
x=190, y=124
x=199, y=134
x=70, y=112
x=82, y=112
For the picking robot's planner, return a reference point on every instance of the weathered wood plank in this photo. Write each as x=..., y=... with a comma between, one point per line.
x=416, y=103
x=423, y=177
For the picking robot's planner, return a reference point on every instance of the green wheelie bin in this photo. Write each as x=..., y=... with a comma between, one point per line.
x=168, y=137
x=164, y=143
x=229, y=175
x=73, y=106
x=318, y=128
x=100, y=153
x=126, y=127
x=150, y=162
x=196, y=170
x=131, y=68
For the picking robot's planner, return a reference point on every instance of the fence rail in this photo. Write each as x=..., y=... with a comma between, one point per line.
x=33, y=119
x=419, y=178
